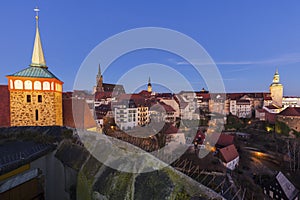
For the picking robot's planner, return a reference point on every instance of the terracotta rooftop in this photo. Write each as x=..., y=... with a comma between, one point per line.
x=171, y=130
x=204, y=96
x=164, y=95
x=167, y=108
x=145, y=93
x=290, y=111
x=225, y=140
x=228, y=153
x=271, y=107
x=103, y=95
x=201, y=135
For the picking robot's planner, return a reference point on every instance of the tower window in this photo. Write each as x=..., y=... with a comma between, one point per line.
x=28, y=98
x=39, y=98
x=36, y=115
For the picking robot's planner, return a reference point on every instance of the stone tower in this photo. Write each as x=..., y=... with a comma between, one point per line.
x=149, y=89
x=35, y=93
x=276, y=90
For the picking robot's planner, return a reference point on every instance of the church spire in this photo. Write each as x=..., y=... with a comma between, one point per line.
x=37, y=59
x=149, y=89
x=99, y=71
x=99, y=80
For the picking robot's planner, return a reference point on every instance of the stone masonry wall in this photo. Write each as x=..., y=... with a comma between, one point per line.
x=292, y=121
x=23, y=113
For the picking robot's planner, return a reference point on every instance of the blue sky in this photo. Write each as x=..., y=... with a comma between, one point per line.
x=247, y=40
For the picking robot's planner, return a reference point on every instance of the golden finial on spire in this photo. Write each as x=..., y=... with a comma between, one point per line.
x=36, y=10
x=37, y=59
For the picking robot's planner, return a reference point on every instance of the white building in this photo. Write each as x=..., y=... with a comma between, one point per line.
x=188, y=105
x=241, y=108
x=126, y=117
x=229, y=157
x=291, y=102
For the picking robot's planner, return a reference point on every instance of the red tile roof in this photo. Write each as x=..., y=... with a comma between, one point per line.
x=145, y=93
x=237, y=96
x=171, y=130
x=204, y=96
x=102, y=95
x=201, y=135
x=167, y=108
x=162, y=107
x=272, y=107
x=225, y=140
x=290, y=111
x=164, y=95
x=228, y=153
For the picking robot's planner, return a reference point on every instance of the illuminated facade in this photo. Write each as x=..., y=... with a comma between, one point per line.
x=276, y=90
x=35, y=93
x=149, y=89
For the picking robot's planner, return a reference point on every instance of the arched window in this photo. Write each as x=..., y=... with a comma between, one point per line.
x=18, y=84
x=28, y=85
x=58, y=87
x=46, y=85
x=37, y=85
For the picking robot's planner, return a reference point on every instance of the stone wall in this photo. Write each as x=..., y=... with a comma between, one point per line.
x=293, y=122
x=48, y=112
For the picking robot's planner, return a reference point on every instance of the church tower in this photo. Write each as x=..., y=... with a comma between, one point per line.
x=276, y=90
x=149, y=86
x=99, y=81
x=35, y=93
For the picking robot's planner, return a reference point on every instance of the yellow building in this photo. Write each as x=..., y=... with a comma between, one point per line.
x=35, y=93
x=276, y=90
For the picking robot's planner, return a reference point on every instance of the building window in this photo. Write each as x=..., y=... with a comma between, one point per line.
x=18, y=84
x=46, y=85
x=28, y=98
x=40, y=98
x=36, y=115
